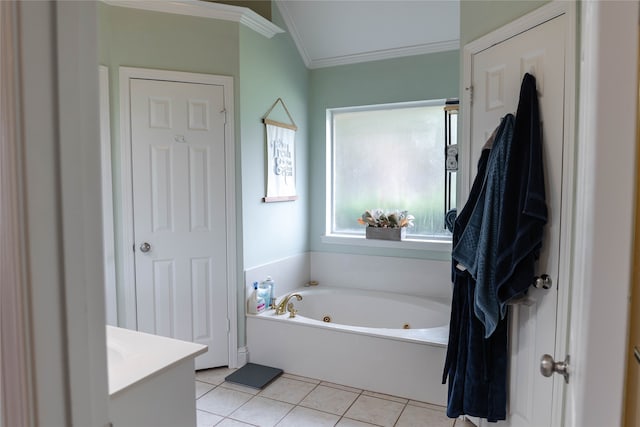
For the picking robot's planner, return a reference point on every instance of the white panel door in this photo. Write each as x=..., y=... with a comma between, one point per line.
x=496, y=78
x=177, y=134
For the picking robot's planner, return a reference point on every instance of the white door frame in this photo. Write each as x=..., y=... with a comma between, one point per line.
x=17, y=388
x=108, y=236
x=127, y=258
x=537, y=17
x=53, y=366
x=605, y=205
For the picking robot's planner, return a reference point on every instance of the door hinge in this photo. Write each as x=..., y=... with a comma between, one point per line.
x=470, y=90
x=224, y=111
x=228, y=325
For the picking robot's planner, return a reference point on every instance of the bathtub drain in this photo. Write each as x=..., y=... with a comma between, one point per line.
x=326, y=319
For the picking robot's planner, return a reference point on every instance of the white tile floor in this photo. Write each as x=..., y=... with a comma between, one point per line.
x=293, y=401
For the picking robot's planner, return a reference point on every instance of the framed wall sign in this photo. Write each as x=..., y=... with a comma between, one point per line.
x=281, y=159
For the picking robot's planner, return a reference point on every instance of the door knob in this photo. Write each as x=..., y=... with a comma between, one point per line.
x=548, y=366
x=542, y=282
x=145, y=247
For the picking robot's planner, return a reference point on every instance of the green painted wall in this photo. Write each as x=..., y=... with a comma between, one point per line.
x=431, y=76
x=479, y=17
x=272, y=69
x=138, y=38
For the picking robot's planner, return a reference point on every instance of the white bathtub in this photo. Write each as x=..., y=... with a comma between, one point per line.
x=364, y=345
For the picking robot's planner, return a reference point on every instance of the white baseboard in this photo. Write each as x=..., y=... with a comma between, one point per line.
x=243, y=357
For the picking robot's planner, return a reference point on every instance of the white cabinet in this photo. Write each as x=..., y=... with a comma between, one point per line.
x=151, y=379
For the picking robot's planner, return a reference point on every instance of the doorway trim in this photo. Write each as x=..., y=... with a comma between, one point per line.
x=520, y=25
x=127, y=257
x=604, y=223
x=17, y=386
x=108, y=231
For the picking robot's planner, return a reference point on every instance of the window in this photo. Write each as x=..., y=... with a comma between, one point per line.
x=389, y=157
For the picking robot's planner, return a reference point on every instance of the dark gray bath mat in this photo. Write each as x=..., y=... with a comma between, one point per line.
x=254, y=376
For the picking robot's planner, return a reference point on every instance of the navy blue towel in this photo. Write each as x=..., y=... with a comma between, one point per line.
x=503, y=237
x=497, y=238
x=475, y=367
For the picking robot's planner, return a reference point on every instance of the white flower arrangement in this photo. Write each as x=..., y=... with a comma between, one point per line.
x=381, y=219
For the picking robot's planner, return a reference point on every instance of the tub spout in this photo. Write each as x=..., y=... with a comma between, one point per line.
x=282, y=307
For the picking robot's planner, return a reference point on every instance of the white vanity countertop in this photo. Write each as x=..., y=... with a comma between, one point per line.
x=133, y=356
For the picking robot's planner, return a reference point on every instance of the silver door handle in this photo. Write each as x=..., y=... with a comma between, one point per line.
x=145, y=247
x=542, y=282
x=548, y=366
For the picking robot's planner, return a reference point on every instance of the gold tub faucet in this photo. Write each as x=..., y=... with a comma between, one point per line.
x=282, y=307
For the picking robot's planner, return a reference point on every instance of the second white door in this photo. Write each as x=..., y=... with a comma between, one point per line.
x=178, y=160
x=497, y=74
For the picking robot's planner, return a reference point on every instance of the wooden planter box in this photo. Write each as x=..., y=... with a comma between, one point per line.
x=382, y=233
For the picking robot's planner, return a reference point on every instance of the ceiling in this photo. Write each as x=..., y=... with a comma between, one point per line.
x=338, y=32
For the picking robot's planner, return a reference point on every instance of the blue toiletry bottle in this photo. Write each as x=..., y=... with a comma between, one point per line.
x=263, y=292
x=268, y=282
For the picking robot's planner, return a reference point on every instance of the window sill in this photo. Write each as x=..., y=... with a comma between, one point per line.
x=408, y=243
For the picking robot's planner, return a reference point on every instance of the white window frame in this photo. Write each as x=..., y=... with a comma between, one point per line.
x=412, y=243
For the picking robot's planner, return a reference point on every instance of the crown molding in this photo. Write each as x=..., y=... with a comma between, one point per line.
x=293, y=31
x=385, y=54
x=242, y=15
x=358, y=57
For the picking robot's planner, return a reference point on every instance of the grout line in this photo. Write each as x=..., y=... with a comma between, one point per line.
x=205, y=394
x=283, y=401
x=400, y=414
x=306, y=395
x=327, y=412
x=232, y=412
x=293, y=406
x=342, y=387
x=208, y=412
x=347, y=410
